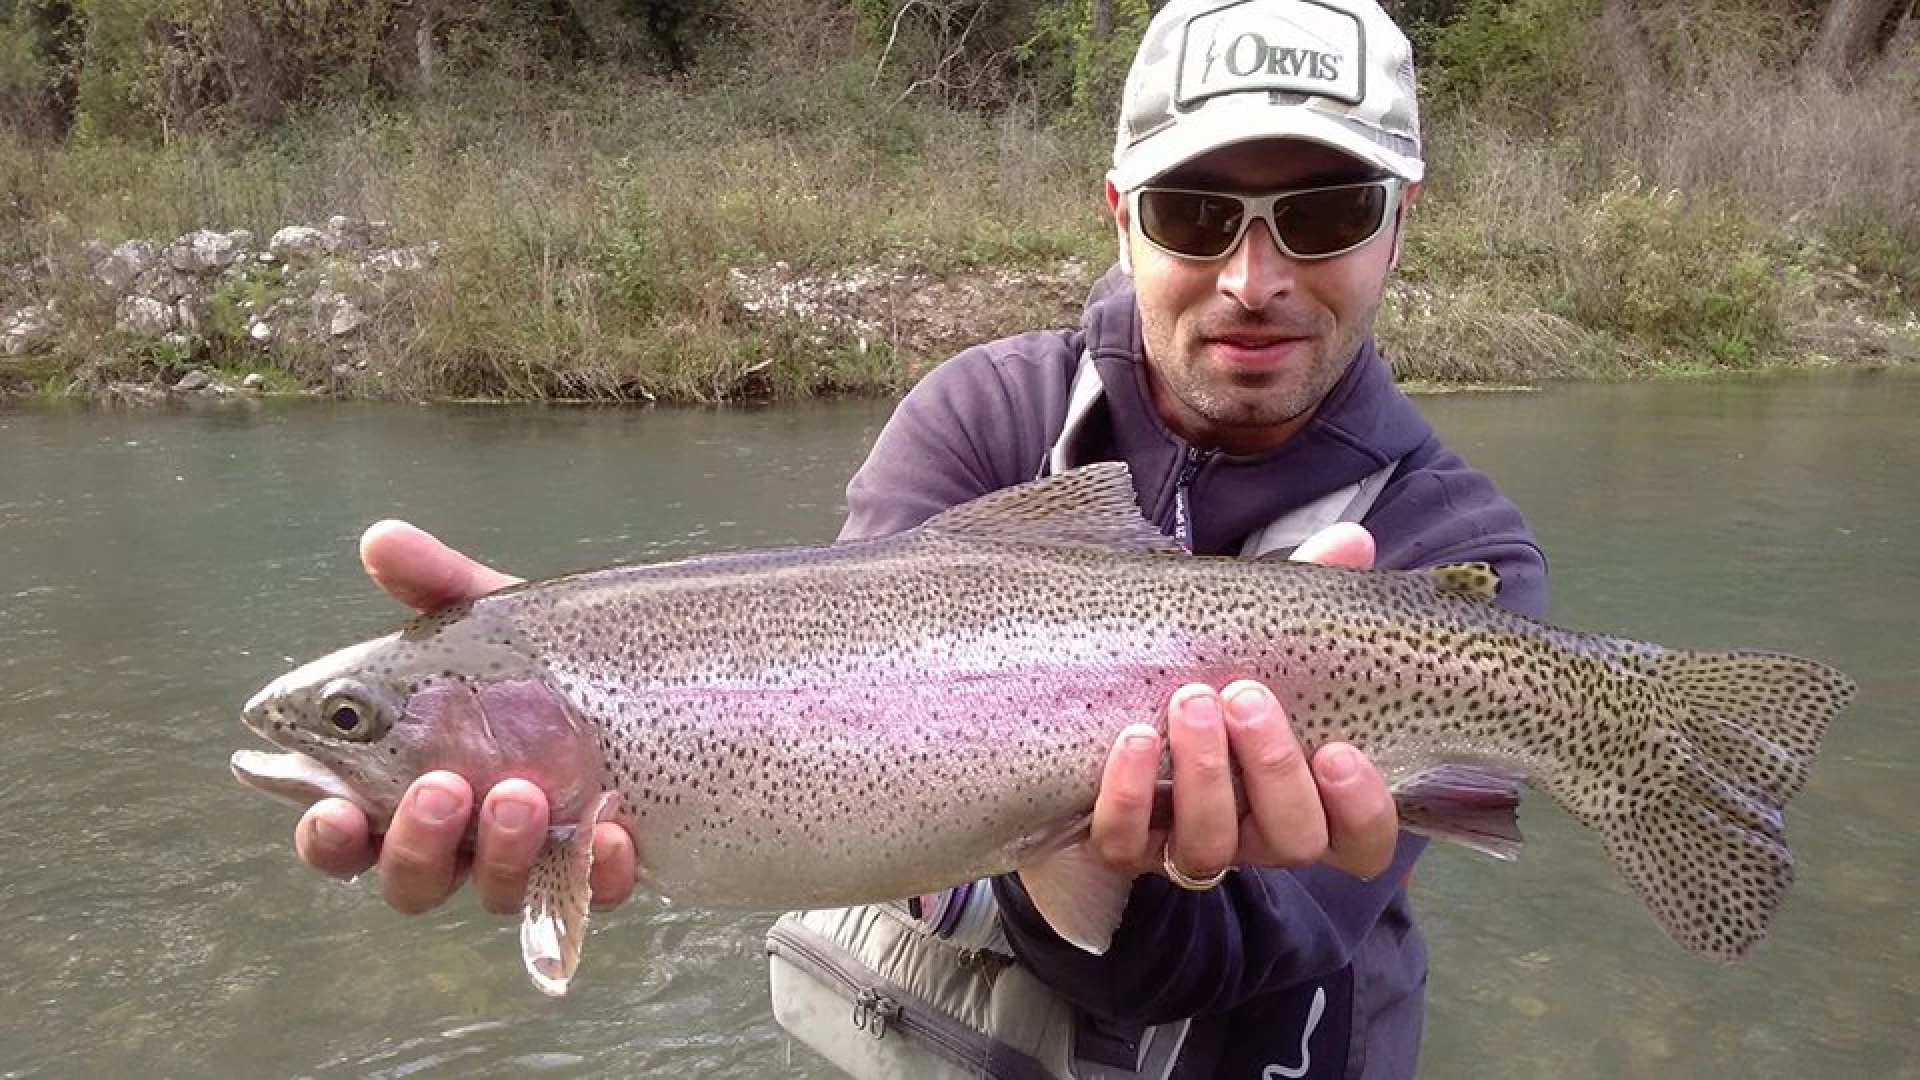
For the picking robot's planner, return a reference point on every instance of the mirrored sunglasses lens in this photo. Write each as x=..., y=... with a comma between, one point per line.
x=1324, y=222
x=1190, y=223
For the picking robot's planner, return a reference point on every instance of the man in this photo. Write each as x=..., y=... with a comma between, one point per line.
x=1267, y=157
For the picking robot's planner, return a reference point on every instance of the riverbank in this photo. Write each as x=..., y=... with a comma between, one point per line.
x=595, y=241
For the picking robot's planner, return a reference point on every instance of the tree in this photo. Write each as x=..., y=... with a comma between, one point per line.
x=1853, y=33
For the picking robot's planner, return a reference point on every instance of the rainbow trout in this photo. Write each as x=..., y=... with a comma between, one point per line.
x=824, y=726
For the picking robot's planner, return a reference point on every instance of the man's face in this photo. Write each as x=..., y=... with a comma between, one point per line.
x=1242, y=349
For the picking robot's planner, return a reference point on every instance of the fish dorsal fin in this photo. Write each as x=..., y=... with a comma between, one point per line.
x=1092, y=506
x=1476, y=579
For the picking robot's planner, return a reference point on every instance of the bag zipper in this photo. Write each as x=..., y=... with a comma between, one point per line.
x=883, y=1005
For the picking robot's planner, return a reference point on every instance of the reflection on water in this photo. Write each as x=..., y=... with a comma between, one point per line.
x=157, y=567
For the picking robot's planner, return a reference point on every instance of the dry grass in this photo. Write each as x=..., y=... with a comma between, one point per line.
x=588, y=230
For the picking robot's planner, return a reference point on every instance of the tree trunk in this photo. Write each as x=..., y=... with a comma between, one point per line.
x=1102, y=19
x=1849, y=36
x=1636, y=71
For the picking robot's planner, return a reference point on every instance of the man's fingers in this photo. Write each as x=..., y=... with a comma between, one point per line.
x=513, y=830
x=420, y=571
x=1285, y=825
x=1362, y=824
x=333, y=838
x=1340, y=544
x=615, y=865
x=1123, y=809
x=1206, y=814
x=420, y=863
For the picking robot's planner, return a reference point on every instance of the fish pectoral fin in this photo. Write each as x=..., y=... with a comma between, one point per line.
x=553, y=923
x=1474, y=805
x=1079, y=894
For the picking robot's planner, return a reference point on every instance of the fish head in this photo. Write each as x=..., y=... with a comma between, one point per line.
x=445, y=692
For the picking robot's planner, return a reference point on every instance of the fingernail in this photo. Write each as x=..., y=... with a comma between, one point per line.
x=436, y=805
x=1141, y=742
x=1200, y=709
x=1249, y=703
x=511, y=815
x=328, y=835
x=1338, y=764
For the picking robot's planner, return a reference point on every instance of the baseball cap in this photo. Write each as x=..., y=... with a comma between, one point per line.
x=1211, y=73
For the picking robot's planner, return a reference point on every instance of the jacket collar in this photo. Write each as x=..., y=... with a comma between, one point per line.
x=1364, y=424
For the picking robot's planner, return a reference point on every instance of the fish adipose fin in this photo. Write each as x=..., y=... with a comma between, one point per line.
x=553, y=925
x=1474, y=805
x=1092, y=506
x=1707, y=849
x=1476, y=579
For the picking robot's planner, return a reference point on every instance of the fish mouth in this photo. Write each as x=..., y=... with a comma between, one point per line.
x=292, y=776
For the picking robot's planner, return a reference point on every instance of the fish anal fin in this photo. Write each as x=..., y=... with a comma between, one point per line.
x=553, y=924
x=1092, y=506
x=1475, y=579
x=1080, y=895
x=1469, y=804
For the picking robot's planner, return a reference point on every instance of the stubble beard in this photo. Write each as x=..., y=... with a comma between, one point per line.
x=1177, y=364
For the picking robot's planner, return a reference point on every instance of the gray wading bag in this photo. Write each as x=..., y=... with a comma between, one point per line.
x=870, y=990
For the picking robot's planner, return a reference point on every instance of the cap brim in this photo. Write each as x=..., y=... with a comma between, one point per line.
x=1203, y=134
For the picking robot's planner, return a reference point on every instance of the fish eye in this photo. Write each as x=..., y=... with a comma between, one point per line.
x=344, y=717
x=346, y=712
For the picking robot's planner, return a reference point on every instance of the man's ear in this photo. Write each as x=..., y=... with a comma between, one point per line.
x=1117, y=206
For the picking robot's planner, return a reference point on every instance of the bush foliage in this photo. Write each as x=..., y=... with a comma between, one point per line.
x=1609, y=186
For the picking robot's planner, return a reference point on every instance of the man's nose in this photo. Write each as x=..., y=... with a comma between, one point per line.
x=1257, y=271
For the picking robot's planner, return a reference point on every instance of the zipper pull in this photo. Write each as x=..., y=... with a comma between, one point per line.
x=873, y=1011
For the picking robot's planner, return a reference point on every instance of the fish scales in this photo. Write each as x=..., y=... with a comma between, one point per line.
x=823, y=726
x=1024, y=663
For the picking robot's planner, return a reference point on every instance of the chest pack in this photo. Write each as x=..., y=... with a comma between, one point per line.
x=927, y=989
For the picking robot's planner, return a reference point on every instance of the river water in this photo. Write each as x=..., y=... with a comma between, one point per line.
x=157, y=566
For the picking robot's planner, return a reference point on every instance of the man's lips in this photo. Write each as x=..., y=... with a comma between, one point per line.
x=1254, y=350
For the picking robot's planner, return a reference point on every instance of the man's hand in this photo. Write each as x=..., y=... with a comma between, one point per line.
x=420, y=861
x=1333, y=808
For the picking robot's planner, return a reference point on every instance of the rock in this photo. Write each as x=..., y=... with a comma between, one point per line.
x=26, y=329
x=260, y=331
x=346, y=318
x=343, y=371
x=296, y=241
x=142, y=316
x=186, y=316
x=193, y=380
x=402, y=260
x=163, y=282
x=123, y=265
x=137, y=393
x=347, y=234
x=184, y=254
x=255, y=381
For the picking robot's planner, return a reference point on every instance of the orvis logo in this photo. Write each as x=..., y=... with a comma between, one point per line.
x=1300, y=47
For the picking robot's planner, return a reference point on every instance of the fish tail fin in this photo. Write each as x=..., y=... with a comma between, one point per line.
x=1702, y=833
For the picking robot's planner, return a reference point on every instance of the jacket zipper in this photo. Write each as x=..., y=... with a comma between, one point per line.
x=1196, y=459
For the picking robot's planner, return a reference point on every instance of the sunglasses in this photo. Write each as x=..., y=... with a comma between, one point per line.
x=1311, y=223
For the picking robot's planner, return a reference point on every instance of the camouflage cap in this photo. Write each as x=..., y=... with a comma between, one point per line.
x=1211, y=73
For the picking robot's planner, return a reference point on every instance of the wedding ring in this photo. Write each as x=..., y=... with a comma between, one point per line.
x=1183, y=879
